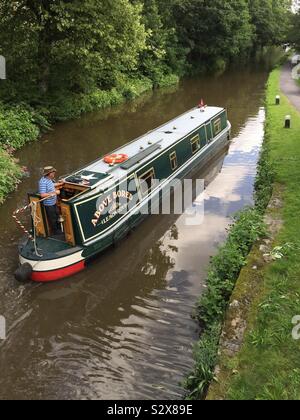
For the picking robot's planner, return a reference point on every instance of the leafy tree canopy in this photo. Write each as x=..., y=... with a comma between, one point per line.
x=55, y=47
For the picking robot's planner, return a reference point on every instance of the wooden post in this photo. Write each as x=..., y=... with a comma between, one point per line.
x=288, y=119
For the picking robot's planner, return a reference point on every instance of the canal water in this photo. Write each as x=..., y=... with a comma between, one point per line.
x=123, y=328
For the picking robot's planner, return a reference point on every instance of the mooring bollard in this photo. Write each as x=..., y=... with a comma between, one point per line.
x=288, y=119
x=277, y=101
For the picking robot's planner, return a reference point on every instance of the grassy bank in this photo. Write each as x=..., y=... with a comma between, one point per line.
x=222, y=276
x=233, y=275
x=267, y=365
x=225, y=268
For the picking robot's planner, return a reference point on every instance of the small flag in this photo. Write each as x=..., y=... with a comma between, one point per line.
x=202, y=105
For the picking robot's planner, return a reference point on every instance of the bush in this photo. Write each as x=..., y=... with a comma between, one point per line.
x=167, y=80
x=67, y=107
x=9, y=174
x=18, y=126
x=131, y=89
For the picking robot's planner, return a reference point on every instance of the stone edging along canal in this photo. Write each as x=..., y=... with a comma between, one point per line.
x=234, y=281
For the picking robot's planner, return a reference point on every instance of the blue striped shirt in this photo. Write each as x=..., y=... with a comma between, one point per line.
x=47, y=186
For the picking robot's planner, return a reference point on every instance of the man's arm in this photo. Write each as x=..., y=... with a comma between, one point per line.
x=48, y=195
x=59, y=184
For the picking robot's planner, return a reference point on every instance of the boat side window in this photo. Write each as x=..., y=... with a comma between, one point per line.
x=195, y=143
x=146, y=181
x=218, y=126
x=173, y=161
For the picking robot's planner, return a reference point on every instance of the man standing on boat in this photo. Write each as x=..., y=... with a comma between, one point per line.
x=49, y=190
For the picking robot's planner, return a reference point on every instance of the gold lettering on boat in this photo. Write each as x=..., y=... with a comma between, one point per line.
x=115, y=207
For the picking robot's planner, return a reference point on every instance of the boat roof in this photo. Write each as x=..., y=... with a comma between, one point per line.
x=139, y=151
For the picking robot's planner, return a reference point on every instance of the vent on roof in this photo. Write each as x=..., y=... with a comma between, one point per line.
x=86, y=178
x=140, y=156
x=168, y=132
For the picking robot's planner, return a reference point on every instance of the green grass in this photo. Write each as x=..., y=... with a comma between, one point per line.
x=268, y=366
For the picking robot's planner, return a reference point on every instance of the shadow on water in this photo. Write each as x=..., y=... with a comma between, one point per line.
x=122, y=329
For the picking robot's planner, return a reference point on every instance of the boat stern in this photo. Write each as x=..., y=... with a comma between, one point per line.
x=48, y=260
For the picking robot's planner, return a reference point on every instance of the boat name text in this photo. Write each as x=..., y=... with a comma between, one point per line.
x=111, y=207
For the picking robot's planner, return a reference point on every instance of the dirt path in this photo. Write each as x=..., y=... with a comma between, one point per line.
x=289, y=87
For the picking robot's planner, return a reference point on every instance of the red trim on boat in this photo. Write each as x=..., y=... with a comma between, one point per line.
x=54, y=275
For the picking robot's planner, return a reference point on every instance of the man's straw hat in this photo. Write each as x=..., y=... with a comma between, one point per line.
x=48, y=170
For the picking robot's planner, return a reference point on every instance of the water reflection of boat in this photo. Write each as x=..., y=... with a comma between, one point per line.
x=104, y=201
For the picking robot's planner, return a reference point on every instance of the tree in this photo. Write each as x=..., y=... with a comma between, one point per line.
x=294, y=35
x=69, y=45
x=270, y=19
x=213, y=30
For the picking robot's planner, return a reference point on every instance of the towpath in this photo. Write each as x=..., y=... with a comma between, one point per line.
x=289, y=86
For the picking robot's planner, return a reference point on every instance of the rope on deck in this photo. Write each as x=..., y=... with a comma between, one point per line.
x=19, y=223
x=36, y=221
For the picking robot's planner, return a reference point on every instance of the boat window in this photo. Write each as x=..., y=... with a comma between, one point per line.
x=218, y=126
x=146, y=181
x=195, y=143
x=173, y=161
x=208, y=132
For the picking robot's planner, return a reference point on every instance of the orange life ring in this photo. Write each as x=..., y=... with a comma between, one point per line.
x=115, y=158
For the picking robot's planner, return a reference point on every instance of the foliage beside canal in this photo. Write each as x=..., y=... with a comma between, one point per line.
x=69, y=58
x=18, y=126
x=62, y=48
x=267, y=365
x=10, y=174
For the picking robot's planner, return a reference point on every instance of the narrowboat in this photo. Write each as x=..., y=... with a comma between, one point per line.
x=102, y=202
